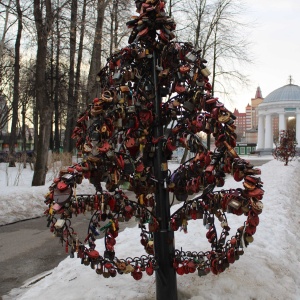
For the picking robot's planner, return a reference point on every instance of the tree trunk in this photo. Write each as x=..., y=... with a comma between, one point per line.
x=51, y=143
x=15, y=104
x=4, y=29
x=24, y=134
x=92, y=88
x=57, y=81
x=79, y=56
x=72, y=106
x=202, y=6
x=170, y=8
x=116, y=23
x=44, y=108
x=214, y=61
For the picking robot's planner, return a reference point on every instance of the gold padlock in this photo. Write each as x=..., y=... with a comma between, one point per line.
x=141, y=199
x=124, y=89
x=205, y=72
x=224, y=117
x=176, y=103
x=129, y=268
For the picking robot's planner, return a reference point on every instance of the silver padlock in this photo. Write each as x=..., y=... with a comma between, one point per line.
x=119, y=123
x=200, y=83
x=110, y=154
x=59, y=224
x=131, y=109
x=190, y=57
x=117, y=75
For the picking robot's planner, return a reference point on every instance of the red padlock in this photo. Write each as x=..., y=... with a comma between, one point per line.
x=137, y=273
x=231, y=256
x=149, y=268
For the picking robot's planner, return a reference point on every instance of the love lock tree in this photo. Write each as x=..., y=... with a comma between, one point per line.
x=286, y=147
x=155, y=97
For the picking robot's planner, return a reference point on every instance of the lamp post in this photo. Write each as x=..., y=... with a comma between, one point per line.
x=166, y=284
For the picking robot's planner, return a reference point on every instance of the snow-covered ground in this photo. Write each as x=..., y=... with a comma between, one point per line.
x=269, y=269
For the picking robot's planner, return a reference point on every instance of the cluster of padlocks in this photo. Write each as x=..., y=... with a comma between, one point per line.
x=116, y=134
x=286, y=147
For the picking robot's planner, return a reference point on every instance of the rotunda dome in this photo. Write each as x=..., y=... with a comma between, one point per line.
x=289, y=92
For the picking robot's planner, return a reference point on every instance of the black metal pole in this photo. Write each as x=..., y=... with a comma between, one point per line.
x=164, y=244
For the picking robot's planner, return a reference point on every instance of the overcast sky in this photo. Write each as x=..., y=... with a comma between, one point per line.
x=276, y=48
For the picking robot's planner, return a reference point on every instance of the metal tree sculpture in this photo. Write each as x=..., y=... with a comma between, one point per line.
x=286, y=147
x=155, y=97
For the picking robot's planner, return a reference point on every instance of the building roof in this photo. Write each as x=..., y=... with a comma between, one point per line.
x=289, y=92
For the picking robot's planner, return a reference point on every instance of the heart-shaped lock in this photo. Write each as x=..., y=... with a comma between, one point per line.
x=238, y=175
x=231, y=255
x=174, y=224
x=191, y=266
x=180, y=269
x=137, y=274
x=149, y=268
x=215, y=266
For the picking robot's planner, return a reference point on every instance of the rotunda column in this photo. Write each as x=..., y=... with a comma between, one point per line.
x=268, y=132
x=298, y=129
x=260, y=132
x=282, y=122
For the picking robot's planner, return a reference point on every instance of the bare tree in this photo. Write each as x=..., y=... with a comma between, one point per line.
x=5, y=110
x=15, y=104
x=4, y=113
x=215, y=27
x=57, y=83
x=72, y=106
x=80, y=52
x=118, y=11
x=5, y=27
x=96, y=51
x=43, y=23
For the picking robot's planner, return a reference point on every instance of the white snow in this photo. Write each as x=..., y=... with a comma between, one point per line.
x=269, y=269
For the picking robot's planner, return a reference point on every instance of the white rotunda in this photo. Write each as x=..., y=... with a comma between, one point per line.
x=282, y=104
